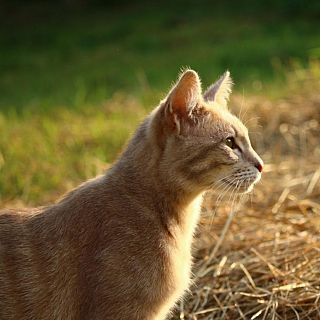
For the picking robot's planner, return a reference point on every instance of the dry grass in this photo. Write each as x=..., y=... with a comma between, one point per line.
x=265, y=262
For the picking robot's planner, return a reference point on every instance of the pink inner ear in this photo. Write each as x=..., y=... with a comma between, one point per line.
x=186, y=93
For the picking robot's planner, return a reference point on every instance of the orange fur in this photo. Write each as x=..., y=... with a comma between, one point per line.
x=119, y=246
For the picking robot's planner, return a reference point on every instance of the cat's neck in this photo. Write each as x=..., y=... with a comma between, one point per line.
x=177, y=208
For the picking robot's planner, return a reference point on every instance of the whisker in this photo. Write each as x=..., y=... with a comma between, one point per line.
x=218, y=200
x=224, y=191
x=223, y=178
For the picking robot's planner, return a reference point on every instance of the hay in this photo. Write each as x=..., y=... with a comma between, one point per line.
x=264, y=263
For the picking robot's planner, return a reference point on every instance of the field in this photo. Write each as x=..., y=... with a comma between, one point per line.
x=260, y=259
x=75, y=81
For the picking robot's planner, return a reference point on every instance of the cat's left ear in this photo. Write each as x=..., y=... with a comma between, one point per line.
x=185, y=95
x=183, y=98
x=219, y=92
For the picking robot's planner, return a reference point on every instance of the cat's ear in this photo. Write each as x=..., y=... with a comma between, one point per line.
x=219, y=92
x=185, y=94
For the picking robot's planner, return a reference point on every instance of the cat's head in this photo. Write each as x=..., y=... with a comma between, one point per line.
x=203, y=145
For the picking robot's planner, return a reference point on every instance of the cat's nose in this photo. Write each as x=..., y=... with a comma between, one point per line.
x=255, y=160
x=259, y=166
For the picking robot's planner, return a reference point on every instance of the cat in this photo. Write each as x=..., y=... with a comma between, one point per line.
x=119, y=246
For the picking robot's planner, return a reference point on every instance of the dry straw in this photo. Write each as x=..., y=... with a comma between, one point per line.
x=261, y=259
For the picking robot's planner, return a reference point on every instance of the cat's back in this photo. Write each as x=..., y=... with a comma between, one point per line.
x=80, y=258
x=14, y=234
x=19, y=276
x=41, y=252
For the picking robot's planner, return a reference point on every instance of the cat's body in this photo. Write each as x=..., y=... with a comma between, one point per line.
x=86, y=257
x=119, y=246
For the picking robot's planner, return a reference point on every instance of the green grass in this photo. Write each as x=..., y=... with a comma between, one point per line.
x=59, y=65
x=55, y=56
x=43, y=155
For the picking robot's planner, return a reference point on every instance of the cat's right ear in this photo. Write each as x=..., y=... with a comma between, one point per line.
x=219, y=92
x=183, y=97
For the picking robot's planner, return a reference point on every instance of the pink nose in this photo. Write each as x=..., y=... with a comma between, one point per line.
x=259, y=166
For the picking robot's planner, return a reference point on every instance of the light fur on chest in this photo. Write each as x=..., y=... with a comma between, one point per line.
x=180, y=250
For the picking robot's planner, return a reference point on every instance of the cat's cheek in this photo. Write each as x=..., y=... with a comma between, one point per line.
x=234, y=158
x=231, y=160
x=226, y=157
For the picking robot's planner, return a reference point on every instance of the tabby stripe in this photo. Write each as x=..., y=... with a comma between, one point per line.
x=9, y=266
x=199, y=173
x=201, y=155
x=38, y=266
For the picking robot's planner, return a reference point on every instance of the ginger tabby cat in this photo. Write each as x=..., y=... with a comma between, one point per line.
x=118, y=247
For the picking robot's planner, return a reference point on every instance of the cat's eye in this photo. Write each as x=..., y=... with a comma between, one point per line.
x=231, y=143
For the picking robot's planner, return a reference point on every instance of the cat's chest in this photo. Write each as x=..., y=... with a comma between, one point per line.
x=180, y=266
x=180, y=249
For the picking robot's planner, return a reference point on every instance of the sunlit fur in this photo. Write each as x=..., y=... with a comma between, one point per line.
x=119, y=246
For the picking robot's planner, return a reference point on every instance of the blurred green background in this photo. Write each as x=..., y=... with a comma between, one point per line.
x=77, y=76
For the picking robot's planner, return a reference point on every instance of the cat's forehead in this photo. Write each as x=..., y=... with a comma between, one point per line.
x=224, y=119
x=233, y=121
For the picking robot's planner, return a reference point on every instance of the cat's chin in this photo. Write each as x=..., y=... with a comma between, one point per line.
x=246, y=190
x=242, y=189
